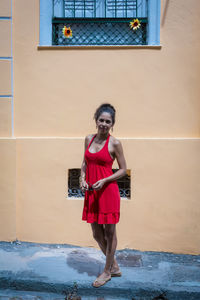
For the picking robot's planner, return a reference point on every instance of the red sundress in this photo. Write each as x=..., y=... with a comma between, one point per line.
x=102, y=206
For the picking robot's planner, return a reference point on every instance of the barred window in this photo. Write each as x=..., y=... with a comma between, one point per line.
x=99, y=22
x=74, y=190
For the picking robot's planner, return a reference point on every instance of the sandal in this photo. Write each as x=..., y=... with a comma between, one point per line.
x=100, y=281
x=116, y=274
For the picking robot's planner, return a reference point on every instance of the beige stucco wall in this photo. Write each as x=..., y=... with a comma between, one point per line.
x=155, y=91
x=5, y=117
x=162, y=214
x=156, y=94
x=5, y=37
x=7, y=189
x=5, y=8
x=5, y=77
x=7, y=144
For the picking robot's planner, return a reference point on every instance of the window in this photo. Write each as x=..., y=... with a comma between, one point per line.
x=74, y=190
x=99, y=22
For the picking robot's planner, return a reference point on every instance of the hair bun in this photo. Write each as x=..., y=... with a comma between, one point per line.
x=105, y=107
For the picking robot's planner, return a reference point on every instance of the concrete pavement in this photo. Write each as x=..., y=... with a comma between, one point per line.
x=61, y=269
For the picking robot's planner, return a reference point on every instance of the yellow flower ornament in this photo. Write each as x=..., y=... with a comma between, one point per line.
x=67, y=32
x=135, y=24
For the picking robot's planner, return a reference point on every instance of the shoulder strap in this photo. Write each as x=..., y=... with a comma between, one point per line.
x=91, y=141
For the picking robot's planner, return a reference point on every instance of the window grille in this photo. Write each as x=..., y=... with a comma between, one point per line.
x=74, y=190
x=99, y=22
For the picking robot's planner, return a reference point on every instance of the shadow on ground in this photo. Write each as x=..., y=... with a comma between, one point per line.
x=82, y=262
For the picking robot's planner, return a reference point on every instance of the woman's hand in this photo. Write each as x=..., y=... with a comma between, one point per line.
x=84, y=186
x=99, y=184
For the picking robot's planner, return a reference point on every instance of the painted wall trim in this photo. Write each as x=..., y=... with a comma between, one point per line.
x=5, y=96
x=7, y=138
x=12, y=73
x=154, y=22
x=118, y=137
x=120, y=47
x=5, y=18
x=46, y=14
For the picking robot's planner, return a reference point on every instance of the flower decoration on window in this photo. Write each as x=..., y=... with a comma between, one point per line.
x=135, y=24
x=67, y=32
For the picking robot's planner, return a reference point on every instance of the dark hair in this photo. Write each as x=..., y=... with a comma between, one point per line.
x=106, y=107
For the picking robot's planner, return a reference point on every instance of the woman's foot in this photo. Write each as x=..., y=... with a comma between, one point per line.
x=115, y=270
x=102, y=279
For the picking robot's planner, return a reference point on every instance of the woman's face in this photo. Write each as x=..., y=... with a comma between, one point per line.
x=104, y=122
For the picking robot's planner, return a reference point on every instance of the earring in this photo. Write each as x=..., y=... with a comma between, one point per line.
x=112, y=129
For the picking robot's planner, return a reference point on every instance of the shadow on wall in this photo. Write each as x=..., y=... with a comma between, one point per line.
x=165, y=13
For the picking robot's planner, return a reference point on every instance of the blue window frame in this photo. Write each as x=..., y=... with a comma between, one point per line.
x=99, y=22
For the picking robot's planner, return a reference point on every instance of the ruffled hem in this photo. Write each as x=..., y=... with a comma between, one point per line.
x=101, y=218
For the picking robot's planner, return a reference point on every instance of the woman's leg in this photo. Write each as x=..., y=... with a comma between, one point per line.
x=99, y=235
x=111, y=239
x=107, y=240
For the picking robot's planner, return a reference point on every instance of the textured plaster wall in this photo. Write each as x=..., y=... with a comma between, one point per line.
x=162, y=214
x=5, y=77
x=5, y=117
x=5, y=8
x=7, y=189
x=7, y=144
x=156, y=94
x=155, y=91
x=5, y=37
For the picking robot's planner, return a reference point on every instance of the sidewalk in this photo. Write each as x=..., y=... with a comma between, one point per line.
x=58, y=268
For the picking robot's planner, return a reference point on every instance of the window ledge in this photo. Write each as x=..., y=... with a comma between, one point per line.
x=152, y=47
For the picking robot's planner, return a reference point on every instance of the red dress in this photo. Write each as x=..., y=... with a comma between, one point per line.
x=102, y=206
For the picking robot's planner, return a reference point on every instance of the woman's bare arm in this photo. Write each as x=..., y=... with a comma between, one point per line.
x=83, y=183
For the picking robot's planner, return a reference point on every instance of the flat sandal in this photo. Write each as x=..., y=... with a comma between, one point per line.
x=100, y=282
x=116, y=274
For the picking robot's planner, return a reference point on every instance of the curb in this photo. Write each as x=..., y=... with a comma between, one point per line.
x=136, y=290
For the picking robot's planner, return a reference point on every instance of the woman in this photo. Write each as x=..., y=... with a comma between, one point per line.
x=102, y=199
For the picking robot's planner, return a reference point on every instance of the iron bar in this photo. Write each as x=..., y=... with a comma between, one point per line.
x=136, y=8
x=74, y=8
x=96, y=20
x=63, y=1
x=94, y=8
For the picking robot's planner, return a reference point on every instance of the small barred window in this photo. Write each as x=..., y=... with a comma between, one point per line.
x=74, y=190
